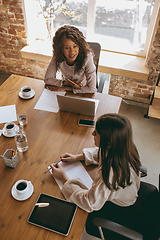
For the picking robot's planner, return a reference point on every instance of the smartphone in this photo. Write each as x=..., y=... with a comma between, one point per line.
x=75, y=83
x=86, y=122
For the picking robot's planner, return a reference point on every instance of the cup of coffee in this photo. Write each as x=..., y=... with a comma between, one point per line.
x=21, y=186
x=9, y=127
x=26, y=91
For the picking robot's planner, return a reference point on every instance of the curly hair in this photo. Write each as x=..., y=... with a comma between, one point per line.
x=74, y=34
x=116, y=138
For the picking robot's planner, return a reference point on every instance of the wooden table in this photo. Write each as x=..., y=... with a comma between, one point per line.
x=49, y=135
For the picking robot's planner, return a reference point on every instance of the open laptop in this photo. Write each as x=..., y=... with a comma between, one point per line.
x=80, y=105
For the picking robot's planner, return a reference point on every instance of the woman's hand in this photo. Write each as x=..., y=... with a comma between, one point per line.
x=73, y=84
x=59, y=173
x=54, y=88
x=68, y=157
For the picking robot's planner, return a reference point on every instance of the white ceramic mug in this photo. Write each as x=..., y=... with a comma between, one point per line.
x=9, y=127
x=22, y=186
x=26, y=91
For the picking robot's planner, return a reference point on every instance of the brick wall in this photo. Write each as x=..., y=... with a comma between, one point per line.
x=139, y=90
x=13, y=39
x=132, y=89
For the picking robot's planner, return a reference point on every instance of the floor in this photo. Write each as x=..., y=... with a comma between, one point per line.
x=146, y=135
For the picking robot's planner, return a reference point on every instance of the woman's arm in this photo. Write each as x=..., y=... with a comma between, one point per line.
x=50, y=76
x=63, y=88
x=89, y=155
x=89, y=200
x=68, y=157
x=90, y=75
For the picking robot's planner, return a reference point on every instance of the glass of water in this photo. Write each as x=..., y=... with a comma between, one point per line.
x=22, y=118
x=21, y=140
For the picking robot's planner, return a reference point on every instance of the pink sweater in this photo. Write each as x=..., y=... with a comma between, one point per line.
x=86, y=76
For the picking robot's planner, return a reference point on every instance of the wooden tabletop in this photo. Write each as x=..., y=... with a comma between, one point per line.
x=49, y=135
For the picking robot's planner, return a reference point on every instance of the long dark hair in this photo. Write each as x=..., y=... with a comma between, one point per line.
x=73, y=33
x=117, y=149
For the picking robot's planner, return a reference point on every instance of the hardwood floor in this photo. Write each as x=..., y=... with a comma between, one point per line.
x=3, y=77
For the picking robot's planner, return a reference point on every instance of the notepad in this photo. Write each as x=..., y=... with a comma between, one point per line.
x=48, y=101
x=8, y=113
x=56, y=217
x=75, y=170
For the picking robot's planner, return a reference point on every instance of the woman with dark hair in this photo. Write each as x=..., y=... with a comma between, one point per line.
x=118, y=173
x=74, y=58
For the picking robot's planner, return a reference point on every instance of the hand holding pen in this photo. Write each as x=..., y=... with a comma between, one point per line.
x=58, y=172
x=53, y=165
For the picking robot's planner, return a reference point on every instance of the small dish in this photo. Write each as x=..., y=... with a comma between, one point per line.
x=10, y=134
x=27, y=97
x=24, y=196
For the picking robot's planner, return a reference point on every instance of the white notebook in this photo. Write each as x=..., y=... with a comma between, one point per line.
x=75, y=170
x=48, y=101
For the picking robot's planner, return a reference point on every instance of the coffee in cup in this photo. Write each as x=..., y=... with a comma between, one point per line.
x=9, y=127
x=21, y=186
x=26, y=91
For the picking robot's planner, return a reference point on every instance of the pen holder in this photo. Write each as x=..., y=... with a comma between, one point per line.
x=10, y=160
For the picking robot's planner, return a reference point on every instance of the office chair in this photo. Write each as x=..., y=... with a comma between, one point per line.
x=96, y=47
x=139, y=221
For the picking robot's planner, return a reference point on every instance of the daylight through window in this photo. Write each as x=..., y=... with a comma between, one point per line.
x=118, y=25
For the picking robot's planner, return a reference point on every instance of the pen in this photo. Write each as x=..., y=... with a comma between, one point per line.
x=42, y=204
x=53, y=165
x=13, y=153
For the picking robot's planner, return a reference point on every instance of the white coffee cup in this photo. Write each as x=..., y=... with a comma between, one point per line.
x=26, y=91
x=22, y=186
x=9, y=127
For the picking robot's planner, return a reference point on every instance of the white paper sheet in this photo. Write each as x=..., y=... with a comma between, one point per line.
x=75, y=170
x=48, y=101
x=8, y=114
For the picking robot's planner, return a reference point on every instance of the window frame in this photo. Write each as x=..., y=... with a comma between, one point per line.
x=32, y=21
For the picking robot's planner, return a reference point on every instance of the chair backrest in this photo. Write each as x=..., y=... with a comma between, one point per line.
x=142, y=217
x=144, y=213
x=96, y=47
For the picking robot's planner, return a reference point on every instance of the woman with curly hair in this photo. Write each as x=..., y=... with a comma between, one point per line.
x=74, y=58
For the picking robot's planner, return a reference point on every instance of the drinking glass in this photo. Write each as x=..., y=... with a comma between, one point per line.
x=21, y=140
x=22, y=118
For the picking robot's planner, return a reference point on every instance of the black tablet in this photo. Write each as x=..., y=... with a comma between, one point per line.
x=57, y=217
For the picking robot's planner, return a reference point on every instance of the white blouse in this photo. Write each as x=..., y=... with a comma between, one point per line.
x=93, y=199
x=86, y=76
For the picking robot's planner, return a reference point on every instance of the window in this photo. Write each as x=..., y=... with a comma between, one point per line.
x=122, y=25
x=118, y=25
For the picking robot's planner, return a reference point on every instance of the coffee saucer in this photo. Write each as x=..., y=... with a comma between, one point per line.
x=24, y=196
x=10, y=134
x=28, y=97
